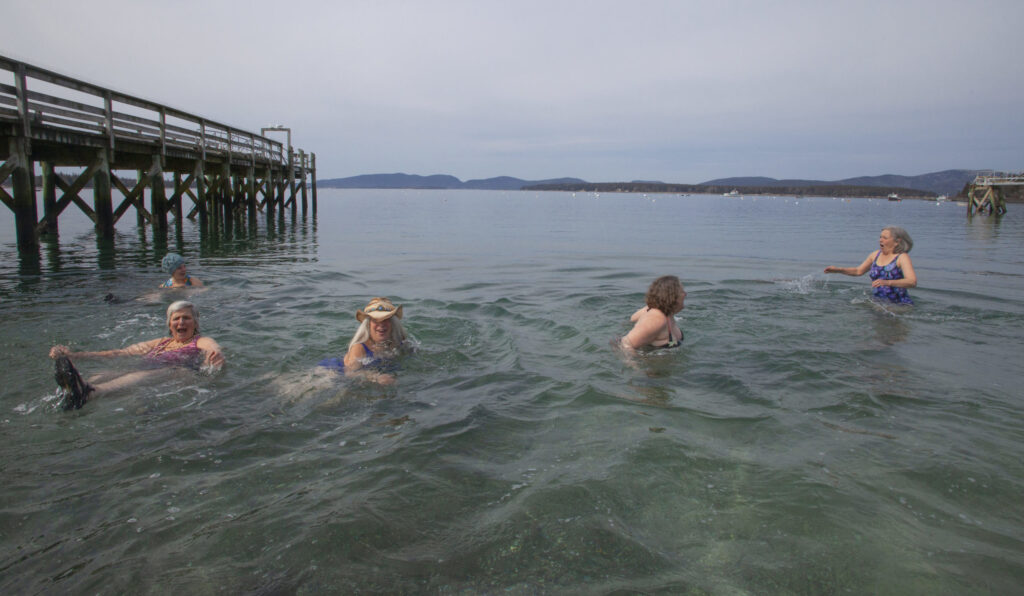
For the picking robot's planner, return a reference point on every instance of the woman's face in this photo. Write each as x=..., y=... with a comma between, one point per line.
x=886, y=241
x=681, y=299
x=380, y=331
x=182, y=325
x=180, y=273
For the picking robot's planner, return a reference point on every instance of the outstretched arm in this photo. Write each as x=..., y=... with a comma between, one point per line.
x=132, y=350
x=854, y=271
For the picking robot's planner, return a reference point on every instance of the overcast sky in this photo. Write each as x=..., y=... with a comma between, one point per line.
x=678, y=91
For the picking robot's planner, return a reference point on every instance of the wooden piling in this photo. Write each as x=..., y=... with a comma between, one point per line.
x=24, y=187
x=49, y=225
x=158, y=193
x=103, y=204
x=312, y=159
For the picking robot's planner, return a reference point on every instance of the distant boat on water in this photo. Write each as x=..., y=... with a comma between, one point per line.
x=894, y=197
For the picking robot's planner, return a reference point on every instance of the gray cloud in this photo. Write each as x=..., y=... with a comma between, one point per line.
x=677, y=91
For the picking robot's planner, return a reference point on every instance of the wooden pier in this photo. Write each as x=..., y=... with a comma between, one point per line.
x=985, y=194
x=57, y=121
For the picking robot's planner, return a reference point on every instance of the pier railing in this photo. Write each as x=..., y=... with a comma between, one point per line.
x=41, y=98
x=999, y=179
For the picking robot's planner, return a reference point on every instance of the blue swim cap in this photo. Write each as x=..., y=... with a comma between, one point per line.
x=171, y=262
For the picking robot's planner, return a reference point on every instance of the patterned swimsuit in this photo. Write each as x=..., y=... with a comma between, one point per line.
x=170, y=282
x=888, y=272
x=188, y=355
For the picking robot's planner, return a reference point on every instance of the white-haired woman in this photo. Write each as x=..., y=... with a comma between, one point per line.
x=376, y=342
x=890, y=268
x=184, y=347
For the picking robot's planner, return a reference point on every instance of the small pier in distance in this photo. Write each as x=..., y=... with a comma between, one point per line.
x=57, y=121
x=985, y=194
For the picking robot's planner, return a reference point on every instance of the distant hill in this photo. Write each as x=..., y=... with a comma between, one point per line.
x=947, y=182
x=392, y=181
x=436, y=181
x=826, y=189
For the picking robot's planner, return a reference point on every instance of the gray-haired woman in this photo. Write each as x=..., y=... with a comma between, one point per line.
x=184, y=348
x=891, y=270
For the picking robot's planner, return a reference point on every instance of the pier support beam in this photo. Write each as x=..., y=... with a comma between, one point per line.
x=158, y=194
x=312, y=172
x=49, y=226
x=302, y=177
x=268, y=177
x=102, y=200
x=201, y=196
x=24, y=186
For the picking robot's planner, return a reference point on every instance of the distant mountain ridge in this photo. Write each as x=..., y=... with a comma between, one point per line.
x=437, y=181
x=947, y=182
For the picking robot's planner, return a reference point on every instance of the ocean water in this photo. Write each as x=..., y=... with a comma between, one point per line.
x=804, y=440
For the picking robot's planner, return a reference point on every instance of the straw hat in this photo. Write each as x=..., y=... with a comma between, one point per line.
x=379, y=309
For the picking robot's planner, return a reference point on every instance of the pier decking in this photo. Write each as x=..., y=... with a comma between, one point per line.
x=58, y=121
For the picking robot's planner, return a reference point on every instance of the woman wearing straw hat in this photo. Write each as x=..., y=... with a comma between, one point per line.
x=377, y=340
x=174, y=265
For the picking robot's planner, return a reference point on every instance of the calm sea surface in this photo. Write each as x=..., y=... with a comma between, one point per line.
x=803, y=440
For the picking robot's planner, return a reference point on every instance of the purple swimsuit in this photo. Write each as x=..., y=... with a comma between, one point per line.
x=188, y=355
x=888, y=272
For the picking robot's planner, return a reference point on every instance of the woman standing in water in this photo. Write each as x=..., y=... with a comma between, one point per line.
x=654, y=324
x=184, y=348
x=890, y=268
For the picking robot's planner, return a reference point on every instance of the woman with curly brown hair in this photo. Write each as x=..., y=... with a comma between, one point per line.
x=654, y=324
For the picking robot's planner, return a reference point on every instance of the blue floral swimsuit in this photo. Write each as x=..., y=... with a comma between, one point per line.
x=888, y=272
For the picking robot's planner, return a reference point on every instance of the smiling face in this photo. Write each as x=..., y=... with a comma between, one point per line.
x=182, y=325
x=180, y=273
x=380, y=331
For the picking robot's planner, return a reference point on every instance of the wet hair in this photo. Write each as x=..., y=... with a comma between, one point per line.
x=903, y=241
x=362, y=334
x=182, y=305
x=664, y=293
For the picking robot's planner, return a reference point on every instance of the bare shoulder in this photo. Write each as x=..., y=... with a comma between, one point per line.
x=206, y=342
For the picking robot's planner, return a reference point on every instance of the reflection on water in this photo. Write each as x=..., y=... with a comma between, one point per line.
x=802, y=440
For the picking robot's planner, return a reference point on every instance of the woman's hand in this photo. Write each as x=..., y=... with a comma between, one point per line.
x=215, y=358
x=58, y=351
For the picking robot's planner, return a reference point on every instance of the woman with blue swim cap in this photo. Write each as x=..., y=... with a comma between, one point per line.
x=174, y=265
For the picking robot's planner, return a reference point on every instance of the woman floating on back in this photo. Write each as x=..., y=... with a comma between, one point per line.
x=890, y=268
x=183, y=348
x=654, y=324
